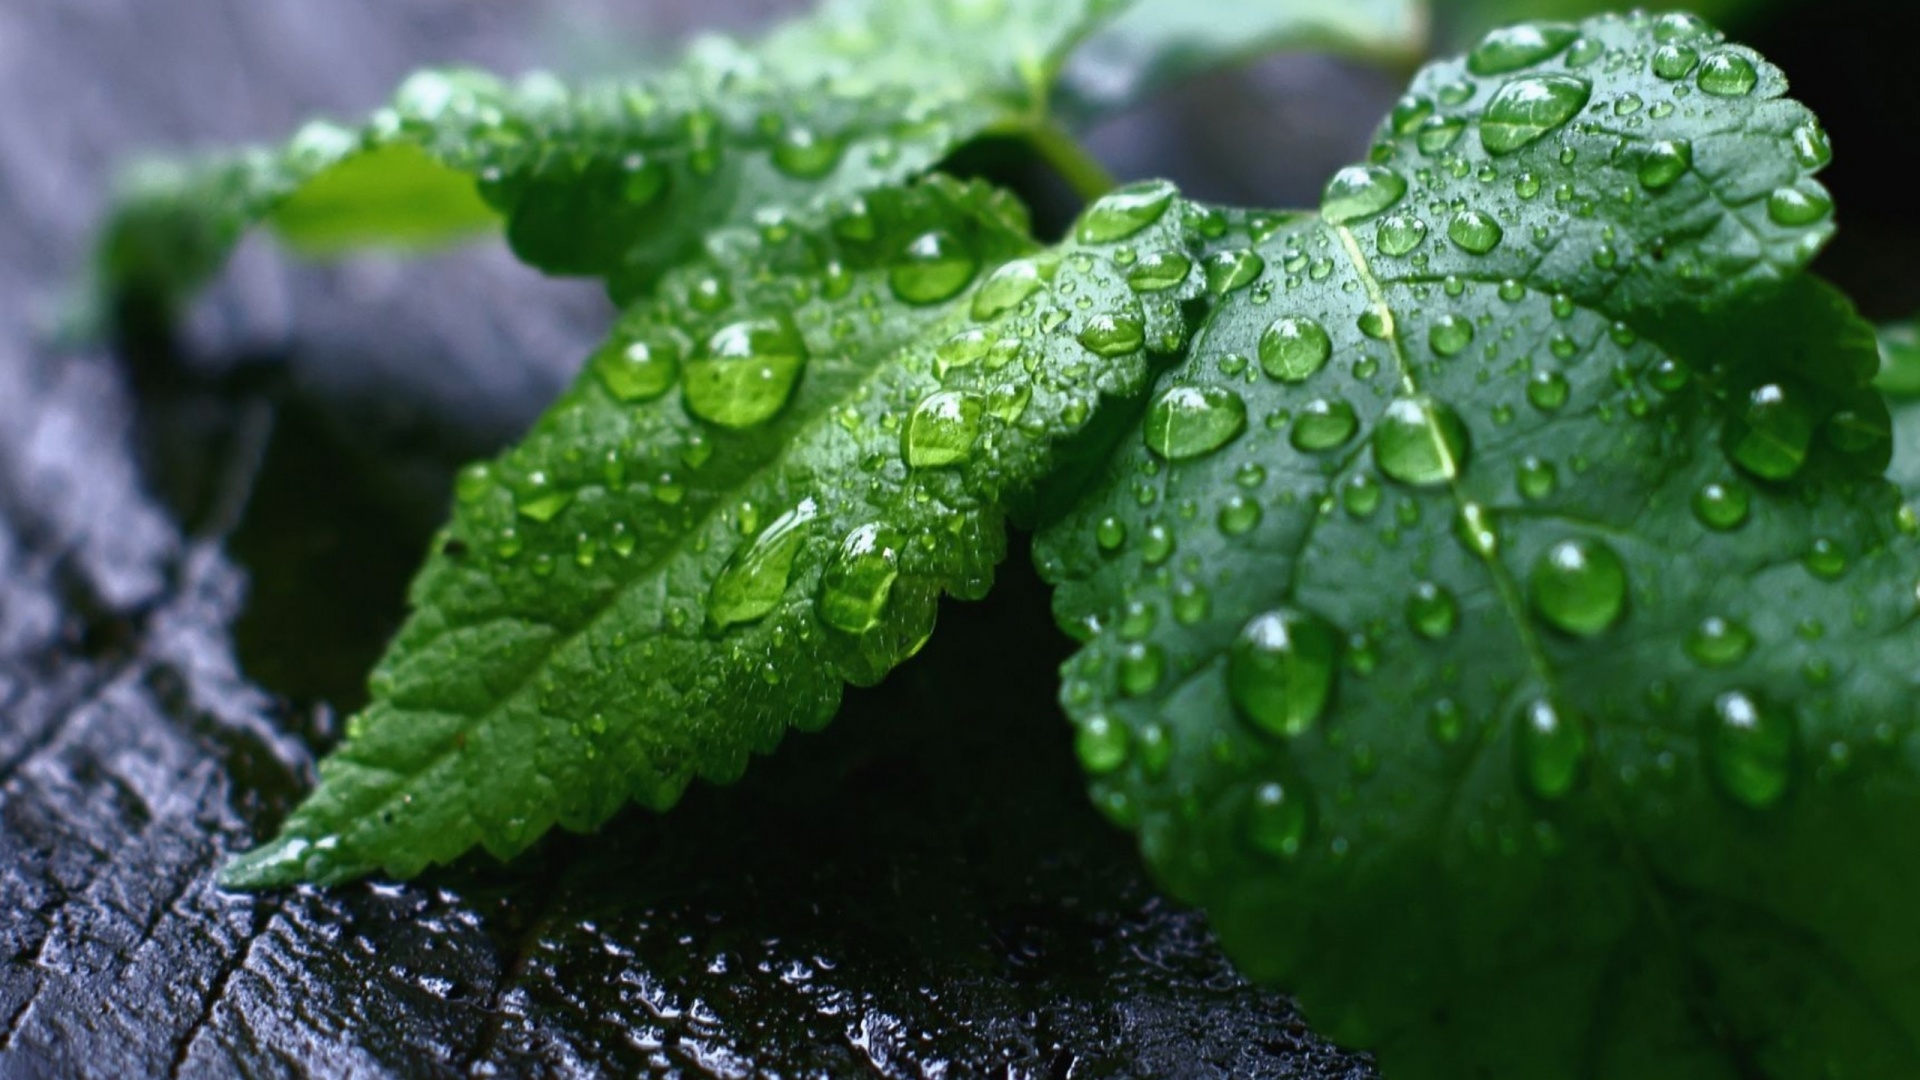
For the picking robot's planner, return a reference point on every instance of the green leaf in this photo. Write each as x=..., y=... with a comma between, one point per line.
x=755, y=493
x=1498, y=621
x=619, y=180
x=1462, y=21
x=1156, y=42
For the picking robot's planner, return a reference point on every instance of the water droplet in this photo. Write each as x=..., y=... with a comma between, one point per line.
x=1664, y=162
x=1280, y=671
x=1323, y=424
x=1727, y=74
x=1773, y=434
x=1672, y=62
x=1750, y=750
x=1360, y=495
x=1232, y=269
x=1547, y=390
x=1191, y=604
x=1109, y=336
x=1157, y=546
x=1475, y=232
x=1826, y=561
x=1536, y=479
x=942, y=429
x=1811, y=147
x=1420, y=442
x=1191, y=421
x=474, y=482
x=1110, y=533
x=1516, y=47
x=1580, y=586
x=1101, y=744
x=1293, y=348
x=1277, y=819
x=1432, y=611
x=1719, y=642
x=745, y=372
x=1400, y=234
x=1125, y=211
x=1451, y=334
x=933, y=267
x=1794, y=207
x=755, y=578
x=1007, y=287
x=857, y=582
x=1359, y=192
x=1439, y=133
x=1552, y=748
x=544, y=507
x=1525, y=111
x=1721, y=506
x=1159, y=271
x=805, y=153
x=1239, y=515
x=1142, y=665
x=637, y=369
x=1408, y=112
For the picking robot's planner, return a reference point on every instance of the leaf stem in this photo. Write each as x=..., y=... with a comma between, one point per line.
x=1081, y=170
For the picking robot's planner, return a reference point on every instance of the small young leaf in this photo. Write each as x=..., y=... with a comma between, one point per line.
x=756, y=492
x=1499, y=623
x=619, y=180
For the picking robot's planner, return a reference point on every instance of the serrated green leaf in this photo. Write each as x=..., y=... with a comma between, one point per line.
x=755, y=493
x=1155, y=42
x=1524, y=672
x=620, y=180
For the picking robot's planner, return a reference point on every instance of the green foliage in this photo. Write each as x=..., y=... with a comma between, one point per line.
x=1530, y=685
x=1495, y=609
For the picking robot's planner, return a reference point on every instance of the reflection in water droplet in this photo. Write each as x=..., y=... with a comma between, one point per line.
x=942, y=429
x=1280, y=671
x=1727, y=74
x=1525, y=111
x=1420, y=442
x=1293, y=348
x=1794, y=207
x=855, y=586
x=745, y=372
x=1672, y=62
x=1750, y=750
x=1580, y=586
x=1191, y=421
x=1476, y=233
x=1722, y=506
x=1109, y=336
x=1232, y=269
x=1400, y=234
x=1450, y=335
x=1773, y=435
x=755, y=578
x=1159, y=271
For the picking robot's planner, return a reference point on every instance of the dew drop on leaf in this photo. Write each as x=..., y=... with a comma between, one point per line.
x=1719, y=642
x=1749, y=749
x=1664, y=162
x=1727, y=74
x=1400, y=234
x=1125, y=211
x=1793, y=207
x=1359, y=192
x=805, y=153
x=638, y=369
x=1323, y=424
x=1293, y=348
x=1580, y=587
x=1515, y=47
x=942, y=429
x=1232, y=269
x=1722, y=507
x=1142, y=666
x=1475, y=232
x=1158, y=271
x=1109, y=336
x=1280, y=671
x=1672, y=62
x=858, y=580
x=1101, y=744
x=1239, y=515
x=933, y=267
x=1008, y=287
x=1552, y=748
x=746, y=372
x=1450, y=336
x=1547, y=390
x=1277, y=819
x=755, y=577
x=1773, y=434
x=1191, y=421
x=1524, y=111
x=1420, y=442
x=1432, y=611
x=1536, y=479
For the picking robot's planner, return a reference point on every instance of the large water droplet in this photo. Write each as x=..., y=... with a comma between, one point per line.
x=1727, y=74
x=1400, y=234
x=1526, y=110
x=1323, y=424
x=1294, y=348
x=942, y=429
x=805, y=153
x=1420, y=442
x=1158, y=271
x=1359, y=192
x=745, y=372
x=1516, y=47
x=755, y=578
x=1190, y=421
x=1750, y=749
x=1280, y=671
x=855, y=585
x=1477, y=233
x=1672, y=62
x=637, y=369
x=1580, y=586
x=1773, y=434
x=1551, y=747
x=1277, y=819
x=1101, y=744
x=1108, y=336
x=932, y=268
x=1125, y=211
x=1232, y=269
x=1008, y=286
x=1794, y=207
x=1664, y=162
x=1450, y=335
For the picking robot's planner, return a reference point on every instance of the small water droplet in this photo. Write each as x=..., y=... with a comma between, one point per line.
x=1450, y=335
x=1142, y=666
x=942, y=429
x=805, y=153
x=1420, y=442
x=1580, y=586
x=1547, y=390
x=1125, y=211
x=755, y=577
x=857, y=582
x=474, y=482
x=1536, y=479
x=1191, y=421
x=1552, y=748
x=933, y=267
x=1811, y=147
x=1101, y=744
x=1432, y=611
x=1293, y=348
x=1722, y=506
x=746, y=372
x=1826, y=561
x=1476, y=233
x=1280, y=671
x=1525, y=111
x=1439, y=133
x=1750, y=749
x=1239, y=515
x=1277, y=819
x=1110, y=533
x=1719, y=642
x=1359, y=192
x=1323, y=424
x=1773, y=435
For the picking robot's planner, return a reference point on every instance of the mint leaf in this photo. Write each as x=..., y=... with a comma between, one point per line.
x=755, y=493
x=1155, y=42
x=1497, y=619
x=619, y=180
